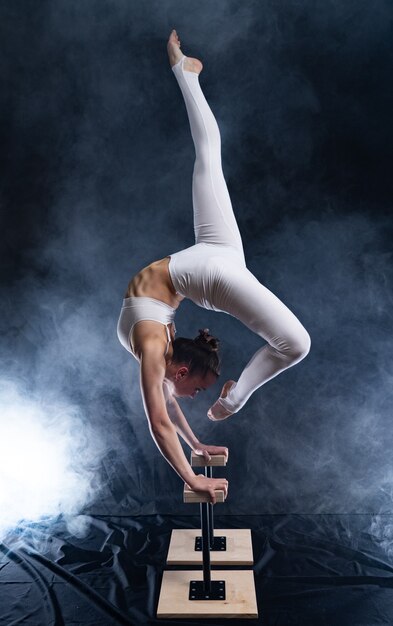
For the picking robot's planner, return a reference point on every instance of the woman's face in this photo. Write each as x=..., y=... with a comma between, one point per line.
x=186, y=385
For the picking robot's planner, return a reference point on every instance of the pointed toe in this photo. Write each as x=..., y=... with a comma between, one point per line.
x=217, y=412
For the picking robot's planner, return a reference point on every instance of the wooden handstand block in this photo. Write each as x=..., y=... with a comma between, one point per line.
x=238, y=549
x=240, y=598
x=215, y=461
x=191, y=497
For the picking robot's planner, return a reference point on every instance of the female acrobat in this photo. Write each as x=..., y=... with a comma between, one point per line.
x=213, y=274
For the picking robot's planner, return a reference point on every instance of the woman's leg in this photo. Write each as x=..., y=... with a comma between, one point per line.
x=240, y=294
x=214, y=220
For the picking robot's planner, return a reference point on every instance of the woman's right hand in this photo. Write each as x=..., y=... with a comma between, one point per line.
x=207, y=486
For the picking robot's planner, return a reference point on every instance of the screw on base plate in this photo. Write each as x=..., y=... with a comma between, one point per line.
x=219, y=544
x=197, y=590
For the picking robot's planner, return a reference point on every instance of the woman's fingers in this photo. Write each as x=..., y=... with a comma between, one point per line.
x=211, y=485
x=222, y=486
x=225, y=485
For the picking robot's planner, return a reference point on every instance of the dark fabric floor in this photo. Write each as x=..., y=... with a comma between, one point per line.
x=309, y=570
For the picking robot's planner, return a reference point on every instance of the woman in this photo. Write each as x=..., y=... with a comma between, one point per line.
x=213, y=274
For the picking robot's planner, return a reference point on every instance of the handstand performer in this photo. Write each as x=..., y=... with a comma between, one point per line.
x=213, y=274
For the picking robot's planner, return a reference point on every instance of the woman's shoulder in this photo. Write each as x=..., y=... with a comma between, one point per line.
x=149, y=336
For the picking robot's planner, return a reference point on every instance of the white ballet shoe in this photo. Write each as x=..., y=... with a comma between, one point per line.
x=217, y=411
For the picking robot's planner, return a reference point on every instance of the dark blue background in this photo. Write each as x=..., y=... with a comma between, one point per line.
x=96, y=165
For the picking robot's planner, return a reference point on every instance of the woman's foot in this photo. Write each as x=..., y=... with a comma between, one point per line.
x=217, y=412
x=175, y=54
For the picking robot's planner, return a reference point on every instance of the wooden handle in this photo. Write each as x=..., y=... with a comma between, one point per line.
x=192, y=497
x=200, y=461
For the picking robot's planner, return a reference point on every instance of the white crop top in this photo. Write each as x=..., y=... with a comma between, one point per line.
x=135, y=309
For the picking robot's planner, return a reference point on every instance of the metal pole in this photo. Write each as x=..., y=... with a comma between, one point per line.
x=205, y=547
x=209, y=474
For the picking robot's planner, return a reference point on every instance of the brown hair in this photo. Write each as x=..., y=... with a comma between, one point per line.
x=199, y=354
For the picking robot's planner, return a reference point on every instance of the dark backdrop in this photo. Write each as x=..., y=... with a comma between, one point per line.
x=96, y=165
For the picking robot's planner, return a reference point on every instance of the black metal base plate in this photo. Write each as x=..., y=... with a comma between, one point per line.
x=197, y=590
x=219, y=544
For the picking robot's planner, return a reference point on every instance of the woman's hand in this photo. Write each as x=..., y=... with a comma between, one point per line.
x=206, y=451
x=208, y=486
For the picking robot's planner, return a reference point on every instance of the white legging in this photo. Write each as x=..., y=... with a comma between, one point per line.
x=241, y=295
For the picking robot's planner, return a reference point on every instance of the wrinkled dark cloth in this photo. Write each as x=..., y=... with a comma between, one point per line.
x=309, y=570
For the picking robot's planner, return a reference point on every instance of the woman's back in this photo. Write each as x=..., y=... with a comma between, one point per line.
x=149, y=309
x=154, y=281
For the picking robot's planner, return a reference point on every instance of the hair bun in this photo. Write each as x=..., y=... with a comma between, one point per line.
x=207, y=341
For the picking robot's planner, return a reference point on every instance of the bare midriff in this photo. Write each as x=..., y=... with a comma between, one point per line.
x=153, y=281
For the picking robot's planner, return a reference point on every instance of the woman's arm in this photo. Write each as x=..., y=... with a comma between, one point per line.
x=183, y=428
x=179, y=420
x=161, y=428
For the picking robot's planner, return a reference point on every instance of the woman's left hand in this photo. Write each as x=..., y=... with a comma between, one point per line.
x=203, y=449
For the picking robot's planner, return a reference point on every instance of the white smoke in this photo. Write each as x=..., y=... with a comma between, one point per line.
x=48, y=458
